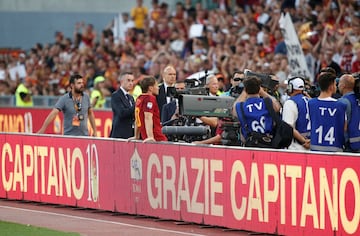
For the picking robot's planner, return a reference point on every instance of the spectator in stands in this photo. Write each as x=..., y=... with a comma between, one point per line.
x=154, y=12
x=76, y=108
x=147, y=119
x=123, y=108
x=355, y=66
x=4, y=88
x=327, y=116
x=228, y=42
x=139, y=15
x=127, y=24
x=327, y=60
x=88, y=36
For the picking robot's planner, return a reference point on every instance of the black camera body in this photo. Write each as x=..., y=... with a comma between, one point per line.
x=231, y=132
x=194, y=102
x=312, y=91
x=267, y=81
x=236, y=91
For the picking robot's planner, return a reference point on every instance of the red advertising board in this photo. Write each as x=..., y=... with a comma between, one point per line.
x=29, y=120
x=282, y=192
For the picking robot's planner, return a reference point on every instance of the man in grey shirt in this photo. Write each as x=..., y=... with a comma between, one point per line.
x=76, y=108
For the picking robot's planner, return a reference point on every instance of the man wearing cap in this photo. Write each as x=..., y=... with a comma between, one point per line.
x=296, y=113
x=97, y=97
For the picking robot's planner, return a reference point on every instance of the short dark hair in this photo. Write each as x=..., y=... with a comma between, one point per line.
x=252, y=85
x=326, y=79
x=146, y=83
x=237, y=72
x=328, y=70
x=74, y=77
x=123, y=74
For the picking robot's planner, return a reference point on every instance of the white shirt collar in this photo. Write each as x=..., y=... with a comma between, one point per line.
x=123, y=90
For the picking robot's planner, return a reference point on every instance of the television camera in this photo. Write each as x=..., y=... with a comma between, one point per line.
x=191, y=106
x=194, y=102
x=267, y=81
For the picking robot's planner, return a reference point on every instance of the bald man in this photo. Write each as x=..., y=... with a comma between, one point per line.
x=169, y=80
x=352, y=134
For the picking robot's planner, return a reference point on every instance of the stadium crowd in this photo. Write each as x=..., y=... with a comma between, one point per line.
x=232, y=37
x=235, y=36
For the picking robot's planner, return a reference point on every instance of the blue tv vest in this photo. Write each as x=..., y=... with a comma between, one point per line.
x=303, y=121
x=256, y=115
x=327, y=125
x=353, y=129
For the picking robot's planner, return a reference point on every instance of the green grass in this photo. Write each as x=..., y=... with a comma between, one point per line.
x=11, y=229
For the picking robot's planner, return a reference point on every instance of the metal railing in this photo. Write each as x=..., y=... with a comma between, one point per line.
x=39, y=101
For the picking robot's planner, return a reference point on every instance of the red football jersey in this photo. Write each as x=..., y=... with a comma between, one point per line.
x=147, y=103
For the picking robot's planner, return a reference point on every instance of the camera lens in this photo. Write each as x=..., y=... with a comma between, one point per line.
x=79, y=106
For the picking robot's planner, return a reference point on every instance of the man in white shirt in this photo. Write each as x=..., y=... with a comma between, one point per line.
x=296, y=113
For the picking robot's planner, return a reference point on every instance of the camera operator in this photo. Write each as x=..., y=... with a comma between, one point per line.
x=235, y=90
x=170, y=111
x=269, y=83
x=237, y=85
x=328, y=117
x=296, y=113
x=212, y=85
x=216, y=139
x=352, y=135
x=257, y=117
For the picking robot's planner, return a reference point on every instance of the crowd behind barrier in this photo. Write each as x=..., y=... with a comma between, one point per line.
x=231, y=38
x=243, y=35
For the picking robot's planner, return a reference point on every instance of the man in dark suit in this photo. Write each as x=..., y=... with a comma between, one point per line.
x=123, y=107
x=169, y=79
x=171, y=109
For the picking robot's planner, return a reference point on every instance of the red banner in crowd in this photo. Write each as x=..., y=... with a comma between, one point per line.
x=279, y=192
x=29, y=120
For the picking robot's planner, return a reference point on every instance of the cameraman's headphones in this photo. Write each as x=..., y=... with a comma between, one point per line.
x=290, y=85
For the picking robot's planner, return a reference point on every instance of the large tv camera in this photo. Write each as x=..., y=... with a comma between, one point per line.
x=236, y=91
x=192, y=86
x=194, y=102
x=267, y=81
x=185, y=128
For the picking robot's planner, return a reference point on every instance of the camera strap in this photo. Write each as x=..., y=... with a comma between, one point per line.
x=77, y=104
x=243, y=118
